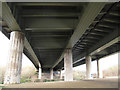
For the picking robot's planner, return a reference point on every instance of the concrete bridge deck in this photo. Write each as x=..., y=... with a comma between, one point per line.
x=93, y=83
x=57, y=36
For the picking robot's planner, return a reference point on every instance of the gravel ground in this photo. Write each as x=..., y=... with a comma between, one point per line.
x=96, y=83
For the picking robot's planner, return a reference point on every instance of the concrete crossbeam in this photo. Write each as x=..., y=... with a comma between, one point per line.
x=13, y=25
x=90, y=13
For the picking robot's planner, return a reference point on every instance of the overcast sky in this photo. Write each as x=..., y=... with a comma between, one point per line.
x=4, y=47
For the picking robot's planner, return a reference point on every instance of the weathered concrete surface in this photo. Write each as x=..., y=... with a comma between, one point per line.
x=13, y=70
x=98, y=83
x=60, y=74
x=51, y=74
x=98, y=72
x=88, y=67
x=68, y=66
x=40, y=73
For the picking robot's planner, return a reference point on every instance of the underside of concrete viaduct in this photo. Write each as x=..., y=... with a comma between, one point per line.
x=58, y=36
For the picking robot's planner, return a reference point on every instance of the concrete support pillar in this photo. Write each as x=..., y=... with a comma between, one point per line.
x=88, y=67
x=60, y=74
x=68, y=65
x=51, y=74
x=13, y=71
x=40, y=73
x=98, y=72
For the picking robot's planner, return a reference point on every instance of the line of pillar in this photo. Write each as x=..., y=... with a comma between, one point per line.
x=68, y=67
x=13, y=71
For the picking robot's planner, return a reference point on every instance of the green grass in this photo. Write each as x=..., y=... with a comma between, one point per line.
x=2, y=86
x=1, y=82
x=25, y=80
x=53, y=80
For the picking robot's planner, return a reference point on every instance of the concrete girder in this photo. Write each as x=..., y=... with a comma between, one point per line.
x=88, y=16
x=56, y=23
x=90, y=13
x=13, y=25
x=106, y=45
x=50, y=13
x=101, y=45
x=107, y=25
x=49, y=29
x=114, y=13
x=59, y=3
x=50, y=34
x=103, y=29
x=112, y=20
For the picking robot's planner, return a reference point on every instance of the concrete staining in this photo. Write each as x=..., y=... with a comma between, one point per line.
x=88, y=67
x=49, y=34
x=40, y=73
x=97, y=83
x=14, y=65
x=68, y=66
x=51, y=74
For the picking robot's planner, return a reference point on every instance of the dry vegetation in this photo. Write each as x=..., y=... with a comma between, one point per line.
x=78, y=75
x=2, y=71
x=29, y=74
x=112, y=71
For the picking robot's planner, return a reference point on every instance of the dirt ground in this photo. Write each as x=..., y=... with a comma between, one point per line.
x=96, y=83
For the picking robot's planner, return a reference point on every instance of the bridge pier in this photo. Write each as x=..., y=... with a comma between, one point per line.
x=98, y=72
x=51, y=74
x=13, y=71
x=68, y=65
x=88, y=67
x=60, y=74
x=40, y=73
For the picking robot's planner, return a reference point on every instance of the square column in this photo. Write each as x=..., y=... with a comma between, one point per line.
x=88, y=67
x=68, y=65
x=40, y=73
x=13, y=70
x=51, y=74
